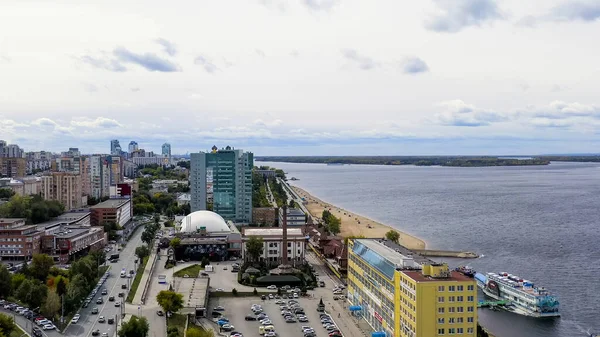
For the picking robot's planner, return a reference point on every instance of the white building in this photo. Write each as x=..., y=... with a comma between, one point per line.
x=273, y=244
x=158, y=160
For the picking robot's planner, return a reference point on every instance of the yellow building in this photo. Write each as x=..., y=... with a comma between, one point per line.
x=409, y=296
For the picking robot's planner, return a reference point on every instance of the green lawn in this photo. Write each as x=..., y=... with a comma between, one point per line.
x=136, y=281
x=191, y=271
x=17, y=332
x=178, y=321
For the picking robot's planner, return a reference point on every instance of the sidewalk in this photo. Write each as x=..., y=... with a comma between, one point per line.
x=137, y=299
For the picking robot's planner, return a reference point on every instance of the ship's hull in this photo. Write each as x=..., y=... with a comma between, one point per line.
x=515, y=308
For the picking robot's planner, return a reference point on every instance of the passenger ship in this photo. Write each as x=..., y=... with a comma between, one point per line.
x=525, y=298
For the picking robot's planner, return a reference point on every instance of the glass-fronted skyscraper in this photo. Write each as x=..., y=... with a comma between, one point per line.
x=231, y=185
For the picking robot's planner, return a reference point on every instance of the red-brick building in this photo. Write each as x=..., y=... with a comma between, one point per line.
x=118, y=211
x=18, y=241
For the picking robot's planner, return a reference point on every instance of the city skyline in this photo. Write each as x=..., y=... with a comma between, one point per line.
x=347, y=77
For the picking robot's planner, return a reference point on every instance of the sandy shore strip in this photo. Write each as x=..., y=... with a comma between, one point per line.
x=354, y=224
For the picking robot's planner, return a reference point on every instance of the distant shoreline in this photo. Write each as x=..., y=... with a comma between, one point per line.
x=417, y=161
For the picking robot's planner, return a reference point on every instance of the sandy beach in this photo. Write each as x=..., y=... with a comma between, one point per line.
x=354, y=224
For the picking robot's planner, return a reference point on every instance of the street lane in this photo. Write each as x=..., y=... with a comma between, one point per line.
x=89, y=322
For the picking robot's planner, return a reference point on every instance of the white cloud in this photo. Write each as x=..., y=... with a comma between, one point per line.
x=269, y=123
x=99, y=122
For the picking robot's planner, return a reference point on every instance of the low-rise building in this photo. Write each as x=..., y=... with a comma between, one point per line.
x=115, y=210
x=295, y=217
x=266, y=173
x=264, y=216
x=65, y=242
x=273, y=243
x=184, y=199
x=403, y=294
x=18, y=241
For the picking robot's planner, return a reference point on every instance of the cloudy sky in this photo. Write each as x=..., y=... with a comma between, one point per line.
x=301, y=77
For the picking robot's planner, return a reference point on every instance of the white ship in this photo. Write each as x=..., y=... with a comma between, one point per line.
x=526, y=298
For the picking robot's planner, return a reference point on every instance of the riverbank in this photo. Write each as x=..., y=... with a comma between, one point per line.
x=354, y=224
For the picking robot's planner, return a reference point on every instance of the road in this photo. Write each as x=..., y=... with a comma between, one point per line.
x=88, y=322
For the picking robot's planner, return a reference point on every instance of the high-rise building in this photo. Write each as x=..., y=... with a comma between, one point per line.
x=12, y=167
x=99, y=171
x=10, y=150
x=401, y=294
x=2, y=147
x=133, y=146
x=64, y=187
x=115, y=147
x=231, y=182
x=166, y=150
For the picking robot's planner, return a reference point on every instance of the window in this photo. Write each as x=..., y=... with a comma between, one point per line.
x=450, y=298
x=441, y=320
x=460, y=309
x=459, y=298
x=451, y=309
x=440, y=299
x=451, y=320
x=470, y=309
x=459, y=330
x=470, y=298
x=459, y=320
x=470, y=330
x=470, y=287
x=440, y=310
x=451, y=331
x=469, y=319
x=451, y=288
x=289, y=244
x=441, y=288
x=440, y=331
x=459, y=288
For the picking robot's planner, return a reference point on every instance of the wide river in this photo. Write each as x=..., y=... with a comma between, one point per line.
x=538, y=222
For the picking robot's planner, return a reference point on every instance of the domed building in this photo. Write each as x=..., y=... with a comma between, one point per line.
x=203, y=221
x=205, y=234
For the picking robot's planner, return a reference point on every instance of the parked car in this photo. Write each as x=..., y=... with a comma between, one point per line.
x=160, y=313
x=96, y=332
x=75, y=319
x=104, y=292
x=49, y=327
x=272, y=287
x=95, y=311
x=250, y=318
x=111, y=321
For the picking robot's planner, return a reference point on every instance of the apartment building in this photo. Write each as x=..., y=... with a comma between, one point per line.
x=115, y=210
x=64, y=187
x=402, y=294
x=13, y=167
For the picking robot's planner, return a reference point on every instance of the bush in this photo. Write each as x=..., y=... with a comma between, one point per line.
x=235, y=292
x=255, y=292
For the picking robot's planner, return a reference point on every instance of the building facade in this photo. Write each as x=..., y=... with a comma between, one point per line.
x=264, y=216
x=13, y=167
x=295, y=217
x=18, y=241
x=133, y=146
x=115, y=147
x=231, y=173
x=64, y=187
x=63, y=243
x=273, y=245
x=407, y=295
x=99, y=172
x=166, y=150
x=118, y=211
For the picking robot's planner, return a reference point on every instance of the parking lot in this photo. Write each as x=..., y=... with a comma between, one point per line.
x=236, y=309
x=228, y=280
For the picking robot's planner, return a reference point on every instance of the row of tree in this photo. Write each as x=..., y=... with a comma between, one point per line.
x=41, y=284
x=278, y=192
x=259, y=191
x=33, y=208
x=150, y=230
x=332, y=223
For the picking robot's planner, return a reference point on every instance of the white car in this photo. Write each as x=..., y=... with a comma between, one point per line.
x=272, y=287
x=75, y=318
x=43, y=322
x=49, y=327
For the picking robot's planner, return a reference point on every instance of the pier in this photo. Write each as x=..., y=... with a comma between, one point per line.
x=446, y=253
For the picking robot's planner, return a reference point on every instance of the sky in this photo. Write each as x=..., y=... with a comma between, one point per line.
x=303, y=77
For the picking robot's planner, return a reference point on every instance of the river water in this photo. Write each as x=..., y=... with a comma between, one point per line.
x=538, y=222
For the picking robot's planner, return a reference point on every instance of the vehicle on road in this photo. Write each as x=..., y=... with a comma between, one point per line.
x=219, y=289
x=99, y=300
x=123, y=286
x=160, y=313
x=227, y=327
x=250, y=318
x=96, y=332
x=111, y=299
x=219, y=308
x=121, y=294
x=37, y=332
x=111, y=321
x=321, y=283
x=101, y=319
x=105, y=334
x=75, y=319
x=49, y=327
x=95, y=310
x=104, y=291
x=117, y=304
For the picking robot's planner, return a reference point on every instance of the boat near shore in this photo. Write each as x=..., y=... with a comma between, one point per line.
x=466, y=270
x=525, y=297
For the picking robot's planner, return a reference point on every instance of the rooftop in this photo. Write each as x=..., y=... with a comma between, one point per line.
x=10, y=220
x=405, y=251
x=419, y=277
x=69, y=233
x=73, y=215
x=194, y=292
x=294, y=211
x=393, y=256
x=272, y=231
x=111, y=203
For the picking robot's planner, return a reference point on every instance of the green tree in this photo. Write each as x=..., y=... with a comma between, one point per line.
x=175, y=242
x=86, y=267
x=52, y=304
x=334, y=226
x=61, y=286
x=76, y=288
x=40, y=266
x=142, y=251
x=392, y=235
x=5, y=282
x=147, y=237
x=254, y=247
x=7, y=325
x=6, y=193
x=170, y=301
x=135, y=327
x=17, y=280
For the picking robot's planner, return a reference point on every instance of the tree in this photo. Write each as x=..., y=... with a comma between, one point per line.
x=5, y=282
x=170, y=301
x=392, y=235
x=86, y=267
x=147, y=237
x=52, y=304
x=40, y=266
x=176, y=242
x=254, y=247
x=6, y=193
x=142, y=251
x=135, y=327
x=197, y=332
x=7, y=325
x=16, y=280
x=61, y=286
x=292, y=204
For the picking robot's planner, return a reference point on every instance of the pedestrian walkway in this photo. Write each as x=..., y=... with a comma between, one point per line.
x=146, y=276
